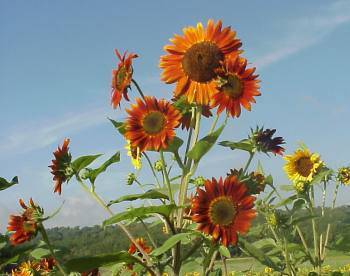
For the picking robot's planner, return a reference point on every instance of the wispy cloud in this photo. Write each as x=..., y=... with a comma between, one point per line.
x=37, y=135
x=307, y=31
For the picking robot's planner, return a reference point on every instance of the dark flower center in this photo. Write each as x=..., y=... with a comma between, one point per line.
x=233, y=87
x=201, y=60
x=153, y=122
x=304, y=166
x=222, y=211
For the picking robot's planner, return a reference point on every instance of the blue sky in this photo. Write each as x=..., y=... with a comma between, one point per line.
x=55, y=68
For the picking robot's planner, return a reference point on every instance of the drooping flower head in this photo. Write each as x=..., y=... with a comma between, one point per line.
x=237, y=86
x=24, y=227
x=193, y=58
x=302, y=165
x=60, y=166
x=142, y=243
x=135, y=155
x=223, y=209
x=344, y=176
x=264, y=142
x=186, y=110
x=151, y=124
x=121, y=77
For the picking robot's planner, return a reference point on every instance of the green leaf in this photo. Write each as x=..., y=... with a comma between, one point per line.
x=84, y=161
x=325, y=173
x=287, y=188
x=286, y=201
x=39, y=253
x=120, y=126
x=164, y=210
x=151, y=194
x=174, y=145
x=224, y=251
x=244, y=144
x=265, y=244
x=95, y=172
x=204, y=145
x=4, y=184
x=258, y=254
x=82, y=264
x=301, y=219
x=184, y=238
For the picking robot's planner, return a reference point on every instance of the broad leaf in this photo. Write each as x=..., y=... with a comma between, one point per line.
x=164, y=210
x=258, y=254
x=224, y=251
x=287, y=188
x=245, y=145
x=4, y=184
x=84, y=161
x=82, y=264
x=184, y=238
x=174, y=145
x=151, y=194
x=120, y=126
x=39, y=253
x=286, y=201
x=95, y=172
x=325, y=173
x=204, y=145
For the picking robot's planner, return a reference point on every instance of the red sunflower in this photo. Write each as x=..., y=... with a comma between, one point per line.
x=121, y=78
x=142, y=243
x=237, y=85
x=25, y=226
x=60, y=165
x=151, y=124
x=222, y=209
x=193, y=58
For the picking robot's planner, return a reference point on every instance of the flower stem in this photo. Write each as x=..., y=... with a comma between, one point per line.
x=124, y=229
x=251, y=156
x=166, y=176
x=138, y=88
x=214, y=123
x=47, y=241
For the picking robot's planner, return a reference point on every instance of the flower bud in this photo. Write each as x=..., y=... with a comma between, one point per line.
x=130, y=179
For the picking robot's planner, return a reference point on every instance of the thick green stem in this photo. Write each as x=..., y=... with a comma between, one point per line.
x=47, y=241
x=138, y=88
x=223, y=258
x=179, y=161
x=314, y=228
x=214, y=123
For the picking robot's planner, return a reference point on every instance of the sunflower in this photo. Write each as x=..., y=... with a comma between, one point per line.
x=47, y=265
x=193, y=58
x=28, y=268
x=151, y=123
x=142, y=243
x=263, y=141
x=24, y=227
x=236, y=85
x=302, y=165
x=60, y=167
x=135, y=156
x=121, y=78
x=223, y=209
x=344, y=175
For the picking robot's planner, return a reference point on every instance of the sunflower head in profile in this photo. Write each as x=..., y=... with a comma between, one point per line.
x=193, y=58
x=60, y=166
x=135, y=155
x=151, y=124
x=237, y=86
x=24, y=227
x=265, y=142
x=222, y=209
x=121, y=77
x=302, y=165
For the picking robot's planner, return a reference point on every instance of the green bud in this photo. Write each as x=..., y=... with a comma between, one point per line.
x=199, y=181
x=85, y=173
x=158, y=166
x=130, y=179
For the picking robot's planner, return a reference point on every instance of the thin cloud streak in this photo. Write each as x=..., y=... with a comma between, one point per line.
x=306, y=32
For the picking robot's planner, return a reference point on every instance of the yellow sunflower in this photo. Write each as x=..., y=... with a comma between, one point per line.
x=193, y=59
x=302, y=165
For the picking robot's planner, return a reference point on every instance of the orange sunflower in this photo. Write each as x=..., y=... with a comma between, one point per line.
x=151, y=124
x=193, y=58
x=24, y=227
x=60, y=165
x=236, y=85
x=121, y=77
x=223, y=208
x=142, y=243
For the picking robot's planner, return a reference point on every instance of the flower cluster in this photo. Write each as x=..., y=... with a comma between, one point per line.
x=43, y=267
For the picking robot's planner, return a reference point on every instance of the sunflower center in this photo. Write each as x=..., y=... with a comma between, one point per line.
x=201, y=60
x=222, y=211
x=153, y=122
x=233, y=87
x=304, y=166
